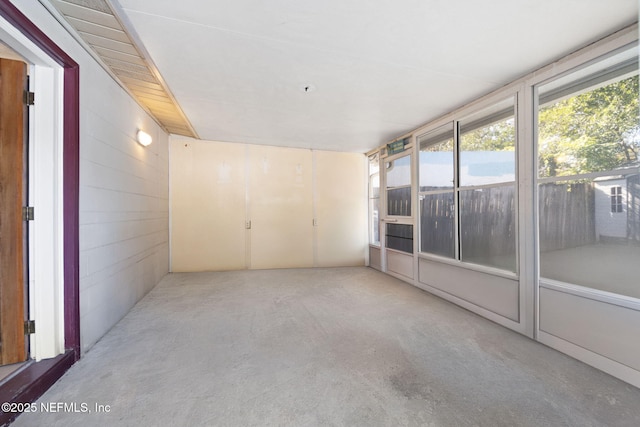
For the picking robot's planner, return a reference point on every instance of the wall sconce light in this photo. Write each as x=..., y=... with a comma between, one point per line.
x=143, y=138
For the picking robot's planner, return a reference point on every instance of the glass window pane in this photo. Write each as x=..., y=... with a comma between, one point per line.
x=488, y=227
x=583, y=242
x=400, y=237
x=374, y=209
x=437, y=222
x=374, y=185
x=399, y=201
x=374, y=199
x=436, y=159
x=399, y=186
x=374, y=164
x=487, y=146
x=399, y=172
x=590, y=131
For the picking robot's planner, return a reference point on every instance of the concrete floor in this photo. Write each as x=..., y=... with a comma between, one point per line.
x=608, y=267
x=324, y=347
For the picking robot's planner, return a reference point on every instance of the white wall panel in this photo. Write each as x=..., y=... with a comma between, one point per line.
x=400, y=263
x=603, y=328
x=375, y=258
x=124, y=246
x=281, y=207
x=217, y=187
x=491, y=292
x=208, y=205
x=341, y=209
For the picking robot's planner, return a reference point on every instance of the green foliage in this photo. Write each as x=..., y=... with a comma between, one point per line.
x=594, y=131
x=498, y=136
x=446, y=145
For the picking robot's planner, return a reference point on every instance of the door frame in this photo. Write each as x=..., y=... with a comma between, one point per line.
x=57, y=79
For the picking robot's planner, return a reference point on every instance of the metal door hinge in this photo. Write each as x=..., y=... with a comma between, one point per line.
x=247, y=225
x=29, y=98
x=29, y=327
x=27, y=213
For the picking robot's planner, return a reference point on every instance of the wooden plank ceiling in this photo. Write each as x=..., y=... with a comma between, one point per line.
x=97, y=25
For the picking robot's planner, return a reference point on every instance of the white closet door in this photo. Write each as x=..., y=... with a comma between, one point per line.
x=341, y=209
x=207, y=206
x=281, y=207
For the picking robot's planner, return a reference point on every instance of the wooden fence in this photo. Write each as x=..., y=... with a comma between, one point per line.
x=399, y=201
x=437, y=224
x=566, y=215
x=488, y=223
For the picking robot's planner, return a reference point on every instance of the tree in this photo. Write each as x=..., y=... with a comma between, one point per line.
x=497, y=136
x=594, y=131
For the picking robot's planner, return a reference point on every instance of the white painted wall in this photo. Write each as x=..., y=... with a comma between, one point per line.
x=208, y=185
x=217, y=187
x=124, y=241
x=341, y=208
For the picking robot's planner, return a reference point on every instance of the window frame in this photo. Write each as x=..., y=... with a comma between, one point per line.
x=374, y=223
x=616, y=199
x=512, y=98
x=601, y=70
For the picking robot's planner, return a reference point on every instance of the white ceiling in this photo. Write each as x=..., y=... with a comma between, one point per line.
x=380, y=67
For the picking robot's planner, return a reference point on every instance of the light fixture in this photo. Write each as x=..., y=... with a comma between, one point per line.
x=143, y=138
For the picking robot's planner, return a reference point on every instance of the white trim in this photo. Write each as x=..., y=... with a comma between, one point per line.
x=469, y=266
x=527, y=212
x=618, y=173
x=170, y=209
x=605, y=364
x=367, y=182
x=592, y=294
x=400, y=277
x=488, y=314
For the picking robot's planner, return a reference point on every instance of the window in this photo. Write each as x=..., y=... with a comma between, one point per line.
x=437, y=194
x=616, y=199
x=374, y=199
x=400, y=237
x=487, y=195
x=399, y=186
x=467, y=188
x=588, y=146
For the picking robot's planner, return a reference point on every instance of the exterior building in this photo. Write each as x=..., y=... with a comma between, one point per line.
x=616, y=210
